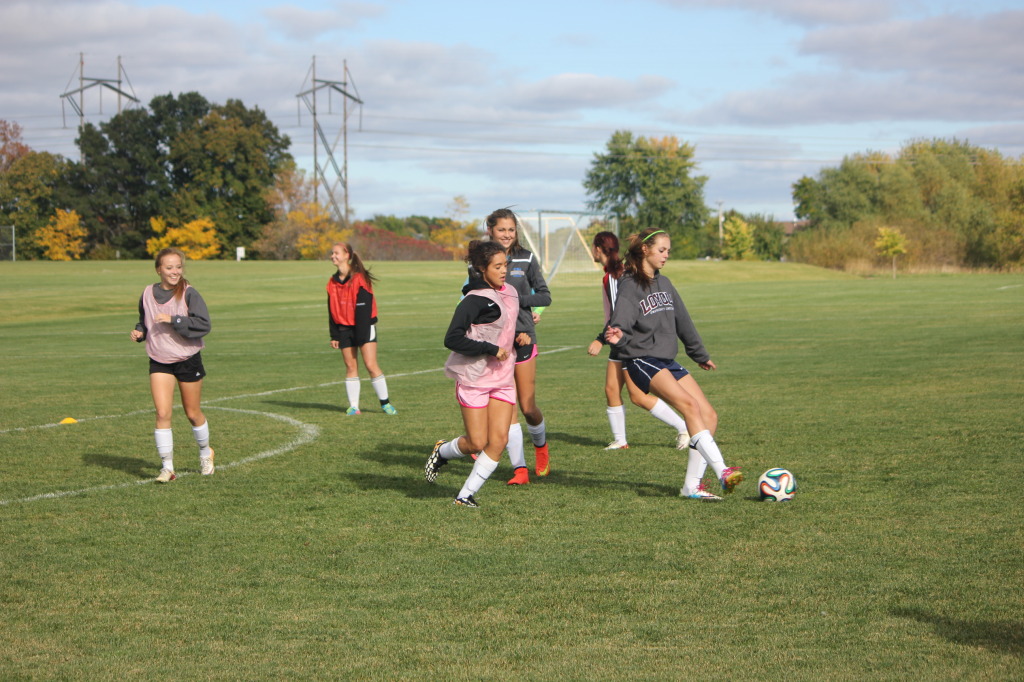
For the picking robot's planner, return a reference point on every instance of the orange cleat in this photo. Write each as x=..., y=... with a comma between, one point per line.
x=521, y=476
x=543, y=467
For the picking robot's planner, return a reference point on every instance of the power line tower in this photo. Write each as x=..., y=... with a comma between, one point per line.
x=87, y=83
x=309, y=97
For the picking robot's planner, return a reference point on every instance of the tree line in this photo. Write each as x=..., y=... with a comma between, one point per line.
x=208, y=178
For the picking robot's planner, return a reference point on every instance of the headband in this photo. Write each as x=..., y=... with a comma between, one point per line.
x=652, y=234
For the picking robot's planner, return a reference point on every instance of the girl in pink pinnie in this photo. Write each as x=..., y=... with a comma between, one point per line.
x=482, y=362
x=173, y=320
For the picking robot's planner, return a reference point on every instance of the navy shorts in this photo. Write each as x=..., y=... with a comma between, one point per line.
x=642, y=370
x=186, y=371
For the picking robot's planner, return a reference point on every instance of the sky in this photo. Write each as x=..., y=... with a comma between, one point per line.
x=506, y=104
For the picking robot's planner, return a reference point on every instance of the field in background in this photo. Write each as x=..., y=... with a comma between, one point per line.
x=318, y=551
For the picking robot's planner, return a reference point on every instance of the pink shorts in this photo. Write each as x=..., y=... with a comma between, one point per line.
x=478, y=398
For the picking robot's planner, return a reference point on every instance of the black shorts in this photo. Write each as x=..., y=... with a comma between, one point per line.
x=347, y=337
x=186, y=371
x=526, y=353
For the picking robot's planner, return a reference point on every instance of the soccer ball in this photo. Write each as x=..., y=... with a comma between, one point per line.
x=776, y=485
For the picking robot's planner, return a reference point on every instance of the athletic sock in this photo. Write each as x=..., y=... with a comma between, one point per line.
x=695, y=468
x=705, y=443
x=450, y=450
x=538, y=433
x=516, y=454
x=165, y=446
x=662, y=411
x=202, y=434
x=352, y=389
x=483, y=467
x=380, y=387
x=617, y=420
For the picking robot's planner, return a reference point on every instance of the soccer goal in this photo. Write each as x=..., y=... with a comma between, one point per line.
x=7, y=248
x=562, y=239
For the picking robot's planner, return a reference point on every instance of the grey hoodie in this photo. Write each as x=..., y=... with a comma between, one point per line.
x=651, y=321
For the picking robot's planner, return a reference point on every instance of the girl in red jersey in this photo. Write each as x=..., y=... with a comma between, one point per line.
x=353, y=324
x=606, y=252
x=173, y=321
x=481, y=339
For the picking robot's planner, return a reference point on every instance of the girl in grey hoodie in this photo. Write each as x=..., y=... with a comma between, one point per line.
x=648, y=322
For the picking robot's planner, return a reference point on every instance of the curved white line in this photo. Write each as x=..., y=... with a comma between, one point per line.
x=307, y=434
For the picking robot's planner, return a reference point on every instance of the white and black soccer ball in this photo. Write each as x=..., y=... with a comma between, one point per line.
x=777, y=485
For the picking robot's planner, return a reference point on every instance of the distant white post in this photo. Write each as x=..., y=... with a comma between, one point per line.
x=239, y=252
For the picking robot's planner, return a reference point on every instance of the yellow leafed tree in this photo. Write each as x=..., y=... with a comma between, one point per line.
x=63, y=238
x=317, y=232
x=453, y=233
x=197, y=238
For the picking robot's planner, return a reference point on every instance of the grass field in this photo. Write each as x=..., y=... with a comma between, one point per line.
x=317, y=551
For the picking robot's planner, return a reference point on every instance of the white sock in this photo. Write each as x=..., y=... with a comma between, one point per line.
x=695, y=468
x=662, y=411
x=483, y=467
x=538, y=433
x=352, y=389
x=705, y=443
x=165, y=446
x=380, y=387
x=617, y=420
x=516, y=454
x=450, y=450
x=202, y=434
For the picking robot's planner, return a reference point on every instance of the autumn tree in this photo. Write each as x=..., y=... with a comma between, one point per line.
x=890, y=243
x=738, y=238
x=11, y=146
x=648, y=182
x=452, y=232
x=317, y=231
x=63, y=238
x=31, y=191
x=196, y=238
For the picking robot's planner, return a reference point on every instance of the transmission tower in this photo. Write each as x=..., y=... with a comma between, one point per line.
x=86, y=83
x=309, y=98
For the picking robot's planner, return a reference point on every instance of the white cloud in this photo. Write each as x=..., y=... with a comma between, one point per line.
x=803, y=12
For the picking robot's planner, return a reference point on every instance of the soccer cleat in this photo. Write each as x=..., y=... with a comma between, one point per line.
x=542, y=465
x=389, y=408
x=206, y=464
x=683, y=441
x=352, y=411
x=701, y=493
x=434, y=462
x=730, y=477
x=469, y=501
x=165, y=476
x=618, y=445
x=521, y=476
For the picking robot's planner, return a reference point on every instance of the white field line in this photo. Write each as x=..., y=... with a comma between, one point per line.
x=307, y=434
x=255, y=395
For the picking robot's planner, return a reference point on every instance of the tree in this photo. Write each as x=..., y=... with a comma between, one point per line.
x=452, y=232
x=197, y=238
x=739, y=239
x=648, y=182
x=223, y=166
x=31, y=191
x=11, y=146
x=63, y=238
x=317, y=232
x=890, y=243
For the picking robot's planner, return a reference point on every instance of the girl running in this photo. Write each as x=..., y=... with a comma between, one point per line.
x=606, y=252
x=649, y=315
x=482, y=362
x=173, y=320
x=525, y=276
x=353, y=325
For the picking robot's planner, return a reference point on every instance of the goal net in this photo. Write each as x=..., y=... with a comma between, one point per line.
x=562, y=241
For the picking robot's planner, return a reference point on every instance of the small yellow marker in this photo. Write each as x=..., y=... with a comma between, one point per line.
x=68, y=420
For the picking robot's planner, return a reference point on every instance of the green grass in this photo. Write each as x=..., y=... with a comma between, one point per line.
x=318, y=551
